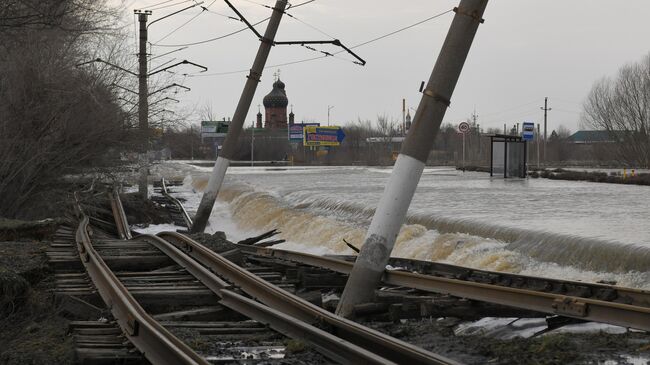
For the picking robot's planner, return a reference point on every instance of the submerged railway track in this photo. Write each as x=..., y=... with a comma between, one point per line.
x=150, y=286
x=582, y=301
x=156, y=287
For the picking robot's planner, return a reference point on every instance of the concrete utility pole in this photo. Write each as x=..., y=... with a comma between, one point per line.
x=537, y=138
x=391, y=211
x=545, y=109
x=143, y=104
x=230, y=144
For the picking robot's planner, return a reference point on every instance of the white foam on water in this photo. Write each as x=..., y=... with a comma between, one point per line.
x=319, y=226
x=156, y=228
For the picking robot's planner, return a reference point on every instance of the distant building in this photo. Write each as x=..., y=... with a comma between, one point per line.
x=590, y=137
x=275, y=106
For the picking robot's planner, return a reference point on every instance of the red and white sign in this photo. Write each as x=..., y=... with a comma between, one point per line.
x=463, y=127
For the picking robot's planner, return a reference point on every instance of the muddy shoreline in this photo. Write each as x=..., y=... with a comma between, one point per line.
x=32, y=331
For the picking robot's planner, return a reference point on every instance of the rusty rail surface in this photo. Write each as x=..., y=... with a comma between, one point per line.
x=329, y=345
x=119, y=215
x=280, y=300
x=334, y=347
x=621, y=314
x=157, y=344
x=165, y=193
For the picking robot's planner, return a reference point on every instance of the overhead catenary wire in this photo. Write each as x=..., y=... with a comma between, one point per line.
x=203, y=8
x=170, y=5
x=309, y=25
x=334, y=53
x=211, y=39
x=291, y=6
x=242, y=29
x=158, y=4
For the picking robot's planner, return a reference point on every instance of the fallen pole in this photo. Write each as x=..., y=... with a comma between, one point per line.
x=391, y=211
x=230, y=144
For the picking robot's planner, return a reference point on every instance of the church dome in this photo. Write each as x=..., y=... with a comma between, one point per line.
x=277, y=98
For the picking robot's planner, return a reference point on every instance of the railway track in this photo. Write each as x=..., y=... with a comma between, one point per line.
x=177, y=212
x=581, y=301
x=154, y=290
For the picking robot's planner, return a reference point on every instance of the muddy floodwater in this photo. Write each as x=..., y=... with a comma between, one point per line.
x=565, y=229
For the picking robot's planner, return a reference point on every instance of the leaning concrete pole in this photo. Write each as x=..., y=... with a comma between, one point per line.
x=230, y=144
x=391, y=211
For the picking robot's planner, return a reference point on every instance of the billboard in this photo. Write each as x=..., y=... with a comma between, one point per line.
x=214, y=128
x=296, y=131
x=323, y=136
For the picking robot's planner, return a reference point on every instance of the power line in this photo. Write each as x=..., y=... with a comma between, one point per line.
x=211, y=39
x=301, y=4
x=324, y=56
x=170, y=5
x=157, y=4
x=203, y=8
x=310, y=26
x=179, y=27
x=403, y=29
x=240, y=30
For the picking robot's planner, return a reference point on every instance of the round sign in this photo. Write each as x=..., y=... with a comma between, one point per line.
x=463, y=127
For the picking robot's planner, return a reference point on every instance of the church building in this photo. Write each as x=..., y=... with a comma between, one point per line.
x=275, y=106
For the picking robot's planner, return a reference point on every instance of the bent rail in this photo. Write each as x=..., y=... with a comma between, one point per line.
x=186, y=216
x=621, y=314
x=383, y=345
x=119, y=215
x=157, y=344
x=328, y=344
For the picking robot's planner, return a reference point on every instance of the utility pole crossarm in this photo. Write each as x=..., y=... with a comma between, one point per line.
x=174, y=13
x=183, y=62
x=243, y=19
x=123, y=88
x=336, y=42
x=170, y=86
x=108, y=63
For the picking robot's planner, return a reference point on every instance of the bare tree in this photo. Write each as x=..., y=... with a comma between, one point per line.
x=621, y=106
x=55, y=119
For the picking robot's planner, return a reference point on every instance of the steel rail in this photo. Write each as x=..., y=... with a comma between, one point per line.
x=632, y=296
x=619, y=314
x=157, y=344
x=329, y=345
x=186, y=216
x=119, y=215
x=383, y=345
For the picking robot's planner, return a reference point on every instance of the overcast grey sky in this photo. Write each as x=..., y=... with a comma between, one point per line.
x=526, y=50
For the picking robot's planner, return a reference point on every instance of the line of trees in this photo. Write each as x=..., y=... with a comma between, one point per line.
x=55, y=118
x=621, y=106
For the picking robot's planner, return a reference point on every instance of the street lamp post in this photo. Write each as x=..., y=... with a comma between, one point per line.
x=329, y=107
x=252, y=143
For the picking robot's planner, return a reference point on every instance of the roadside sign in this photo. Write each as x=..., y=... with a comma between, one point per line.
x=463, y=127
x=209, y=126
x=214, y=128
x=296, y=131
x=323, y=136
x=528, y=131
